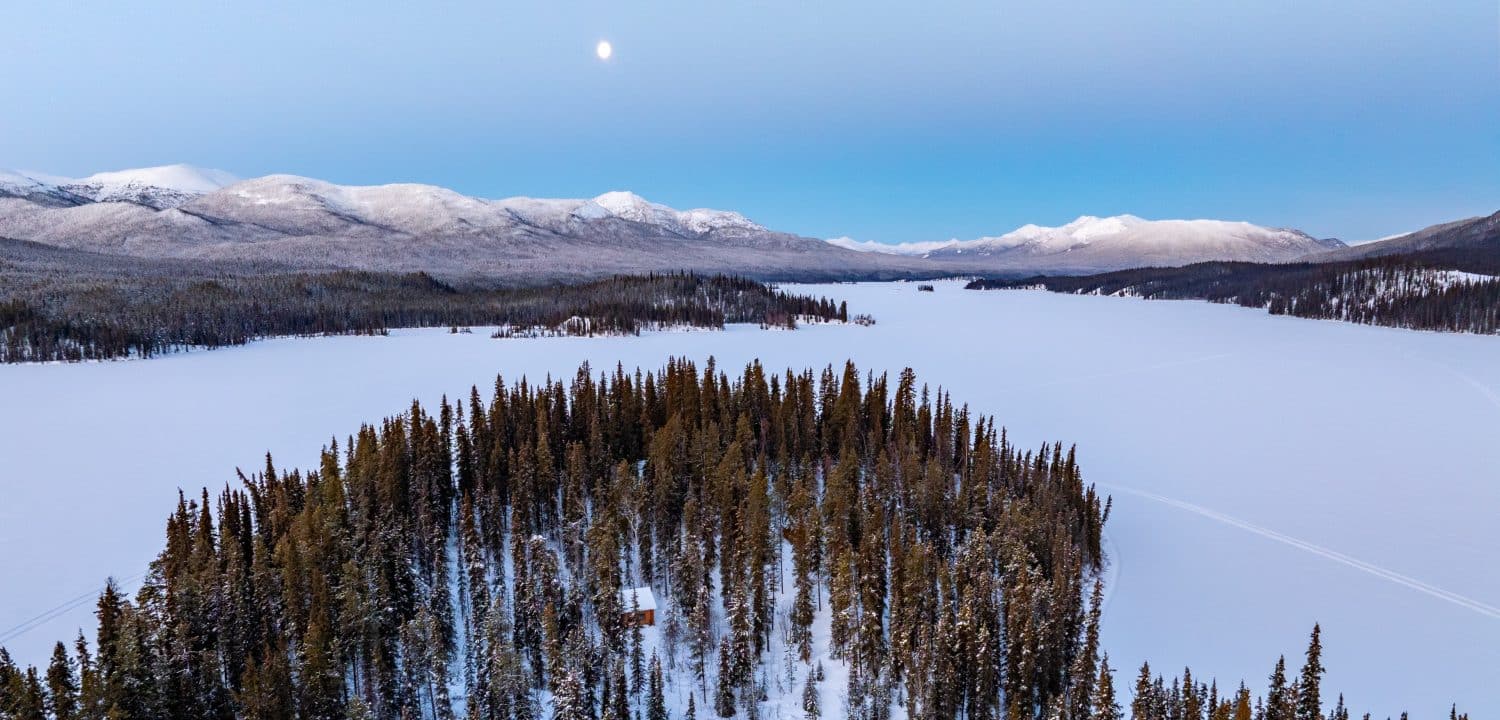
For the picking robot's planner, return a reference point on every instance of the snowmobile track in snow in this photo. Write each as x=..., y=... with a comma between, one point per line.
x=1390, y=575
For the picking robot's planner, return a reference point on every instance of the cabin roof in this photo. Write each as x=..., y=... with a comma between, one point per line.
x=638, y=598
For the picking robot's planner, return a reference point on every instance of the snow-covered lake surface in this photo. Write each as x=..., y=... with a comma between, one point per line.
x=1268, y=473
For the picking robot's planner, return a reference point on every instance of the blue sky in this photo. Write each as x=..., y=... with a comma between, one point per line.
x=881, y=121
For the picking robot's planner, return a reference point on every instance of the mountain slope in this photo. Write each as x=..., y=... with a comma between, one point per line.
x=178, y=211
x=157, y=188
x=1468, y=235
x=183, y=178
x=1446, y=277
x=1091, y=244
x=310, y=223
x=42, y=191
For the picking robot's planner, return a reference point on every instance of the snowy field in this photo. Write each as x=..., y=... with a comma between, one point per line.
x=1267, y=472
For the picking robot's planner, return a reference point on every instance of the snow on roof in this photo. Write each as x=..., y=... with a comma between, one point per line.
x=637, y=598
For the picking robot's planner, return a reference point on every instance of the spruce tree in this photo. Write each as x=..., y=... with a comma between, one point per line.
x=1309, y=700
x=1191, y=707
x=62, y=686
x=1242, y=704
x=724, y=698
x=637, y=653
x=1142, y=705
x=90, y=703
x=1280, y=703
x=1103, y=705
x=657, y=702
x=1340, y=712
x=10, y=683
x=31, y=702
x=620, y=689
x=810, y=708
x=568, y=702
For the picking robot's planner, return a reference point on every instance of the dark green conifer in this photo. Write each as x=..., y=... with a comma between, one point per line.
x=1309, y=697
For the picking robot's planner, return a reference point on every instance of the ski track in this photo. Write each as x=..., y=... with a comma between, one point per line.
x=1484, y=390
x=1389, y=575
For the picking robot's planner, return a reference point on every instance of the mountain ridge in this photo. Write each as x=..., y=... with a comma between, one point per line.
x=1091, y=242
x=314, y=224
x=178, y=211
x=1473, y=234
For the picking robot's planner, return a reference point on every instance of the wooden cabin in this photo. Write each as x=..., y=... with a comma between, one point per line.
x=638, y=606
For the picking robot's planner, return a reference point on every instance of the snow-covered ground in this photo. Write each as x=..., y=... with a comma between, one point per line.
x=1268, y=472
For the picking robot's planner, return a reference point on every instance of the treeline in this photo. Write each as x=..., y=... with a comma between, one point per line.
x=1288, y=696
x=1427, y=291
x=58, y=318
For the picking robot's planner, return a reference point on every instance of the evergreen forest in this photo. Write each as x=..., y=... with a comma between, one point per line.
x=823, y=544
x=45, y=317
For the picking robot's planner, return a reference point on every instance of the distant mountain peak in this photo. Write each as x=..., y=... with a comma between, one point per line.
x=624, y=201
x=1094, y=242
x=908, y=249
x=179, y=177
x=160, y=188
x=627, y=205
x=15, y=178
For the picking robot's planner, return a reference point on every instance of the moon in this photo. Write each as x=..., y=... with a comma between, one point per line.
x=604, y=50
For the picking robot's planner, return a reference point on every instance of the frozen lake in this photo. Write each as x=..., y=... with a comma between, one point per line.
x=1268, y=473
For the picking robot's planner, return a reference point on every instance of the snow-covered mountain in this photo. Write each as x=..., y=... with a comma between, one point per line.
x=155, y=187
x=183, y=178
x=629, y=206
x=178, y=211
x=18, y=185
x=1094, y=243
x=906, y=249
x=183, y=212
x=1473, y=236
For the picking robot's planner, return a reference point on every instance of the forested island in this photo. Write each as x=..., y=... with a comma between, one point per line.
x=809, y=544
x=132, y=308
x=1451, y=290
